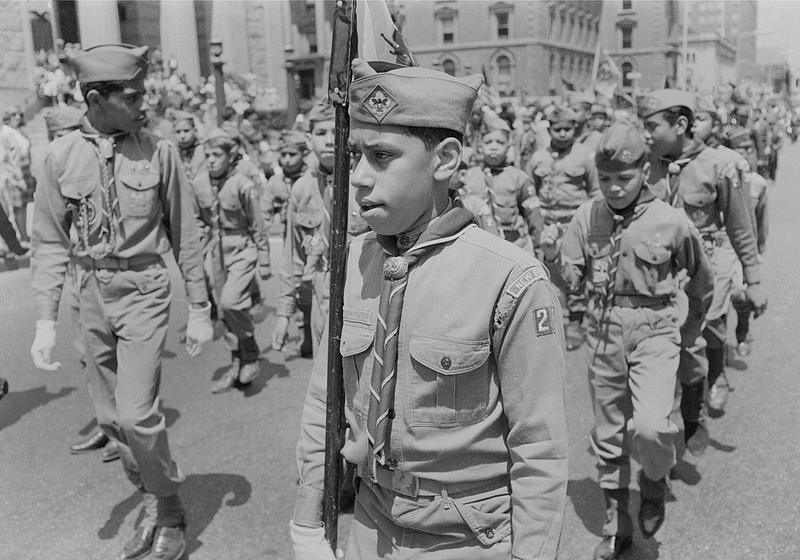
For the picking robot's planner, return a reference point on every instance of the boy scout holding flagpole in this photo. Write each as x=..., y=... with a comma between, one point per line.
x=127, y=196
x=453, y=382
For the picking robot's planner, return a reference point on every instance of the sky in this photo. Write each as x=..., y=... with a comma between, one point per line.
x=782, y=17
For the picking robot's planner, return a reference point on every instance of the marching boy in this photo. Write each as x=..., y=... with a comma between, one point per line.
x=634, y=251
x=452, y=347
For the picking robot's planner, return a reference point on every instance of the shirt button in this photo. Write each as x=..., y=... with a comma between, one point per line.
x=446, y=362
x=391, y=462
x=402, y=240
x=624, y=253
x=490, y=533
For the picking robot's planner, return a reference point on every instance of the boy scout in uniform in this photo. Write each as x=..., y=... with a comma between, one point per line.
x=565, y=176
x=125, y=192
x=193, y=156
x=707, y=185
x=230, y=204
x=292, y=149
x=305, y=249
x=453, y=381
x=508, y=192
x=634, y=250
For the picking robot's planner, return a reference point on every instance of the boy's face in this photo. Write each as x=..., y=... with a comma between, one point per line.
x=562, y=133
x=703, y=126
x=322, y=138
x=393, y=174
x=598, y=121
x=662, y=137
x=291, y=158
x=124, y=110
x=218, y=161
x=185, y=133
x=494, y=148
x=621, y=185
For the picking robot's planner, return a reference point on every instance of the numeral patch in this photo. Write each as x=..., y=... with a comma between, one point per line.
x=543, y=317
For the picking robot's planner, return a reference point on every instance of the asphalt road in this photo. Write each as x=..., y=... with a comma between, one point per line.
x=738, y=501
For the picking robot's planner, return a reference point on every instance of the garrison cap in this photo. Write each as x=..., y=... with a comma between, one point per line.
x=600, y=109
x=63, y=118
x=179, y=116
x=706, y=106
x=622, y=146
x=293, y=139
x=663, y=99
x=110, y=63
x=322, y=111
x=739, y=137
x=391, y=94
x=562, y=114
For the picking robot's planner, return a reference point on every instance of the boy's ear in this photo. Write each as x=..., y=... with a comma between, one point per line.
x=447, y=157
x=682, y=124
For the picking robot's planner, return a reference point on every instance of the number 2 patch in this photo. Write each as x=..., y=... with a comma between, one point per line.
x=544, y=320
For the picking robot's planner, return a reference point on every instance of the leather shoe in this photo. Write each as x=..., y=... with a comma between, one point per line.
x=110, y=452
x=140, y=544
x=718, y=397
x=652, y=509
x=696, y=437
x=170, y=544
x=3, y=387
x=97, y=440
x=611, y=548
x=229, y=378
x=248, y=373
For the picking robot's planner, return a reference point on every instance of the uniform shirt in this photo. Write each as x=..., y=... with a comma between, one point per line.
x=232, y=203
x=193, y=159
x=758, y=193
x=709, y=188
x=275, y=200
x=657, y=246
x=154, y=200
x=308, y=228
x=563, y=180
x=590, y=138
x=479, y=391
x=509, y=194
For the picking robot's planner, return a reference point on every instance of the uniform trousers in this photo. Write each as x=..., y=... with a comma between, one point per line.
x=320, y=304
x=123, y=321
x=389, y=526
x=240, y=257
x=633, y=363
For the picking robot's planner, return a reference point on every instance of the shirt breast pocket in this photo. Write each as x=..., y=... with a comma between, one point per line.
x=450, y=384
x=653, y=263
x=355, y=346
x=80, y=193
x=139, y=195
x=699, y=206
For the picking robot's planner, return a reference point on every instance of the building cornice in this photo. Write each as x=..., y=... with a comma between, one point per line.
x=472, y=45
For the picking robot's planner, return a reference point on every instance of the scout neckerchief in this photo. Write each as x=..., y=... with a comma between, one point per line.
x=675, y=167
x=444, y=229
x=104, y=148
x=491, y=196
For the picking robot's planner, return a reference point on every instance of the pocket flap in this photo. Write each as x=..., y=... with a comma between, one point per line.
x=308, y=219
x=140, y=181
x=449, y=356
x=229, y=203
x=358, y=331
x=698, y=199
x=575, y=171
x=78, y=187
x=652, y=252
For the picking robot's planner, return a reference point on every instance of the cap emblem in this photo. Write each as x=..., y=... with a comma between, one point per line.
x=379, y=103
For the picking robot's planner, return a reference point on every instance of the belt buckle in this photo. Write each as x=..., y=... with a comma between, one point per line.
x=405, y=483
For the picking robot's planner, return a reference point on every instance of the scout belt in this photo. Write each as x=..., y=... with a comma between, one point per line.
x=412, y=486
x=139, y=262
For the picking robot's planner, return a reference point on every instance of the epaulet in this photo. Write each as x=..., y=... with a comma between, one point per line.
x=514, y=290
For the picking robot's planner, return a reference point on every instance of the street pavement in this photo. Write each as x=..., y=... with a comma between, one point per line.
x=738, y=501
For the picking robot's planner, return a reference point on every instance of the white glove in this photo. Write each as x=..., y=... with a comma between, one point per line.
x=199, y=330
x=308, y=543
x=43, y=344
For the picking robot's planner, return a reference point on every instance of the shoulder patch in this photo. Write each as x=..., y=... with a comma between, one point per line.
x=543, y=320
x=531, y=275
x=731, y=172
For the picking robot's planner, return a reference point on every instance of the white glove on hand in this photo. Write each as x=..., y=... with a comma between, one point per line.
x=43, y=344
x=199, y=330
x=308, y=543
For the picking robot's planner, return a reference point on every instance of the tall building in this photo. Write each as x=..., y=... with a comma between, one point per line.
x=643, y=38
x=522, y=47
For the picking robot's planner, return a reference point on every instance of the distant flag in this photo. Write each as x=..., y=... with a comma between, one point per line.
x=379, y=37
x=605, y=73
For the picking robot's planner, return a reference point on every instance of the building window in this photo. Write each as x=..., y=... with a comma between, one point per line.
x=627, y=37
x=503, y=65
x=449, y=67
x=448, y=29
x=627, y=4
x=503, y=26
x=627, y=68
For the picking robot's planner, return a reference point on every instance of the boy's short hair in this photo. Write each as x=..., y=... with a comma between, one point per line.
x=218, y=138
x=672, y=114
x=431, y=136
